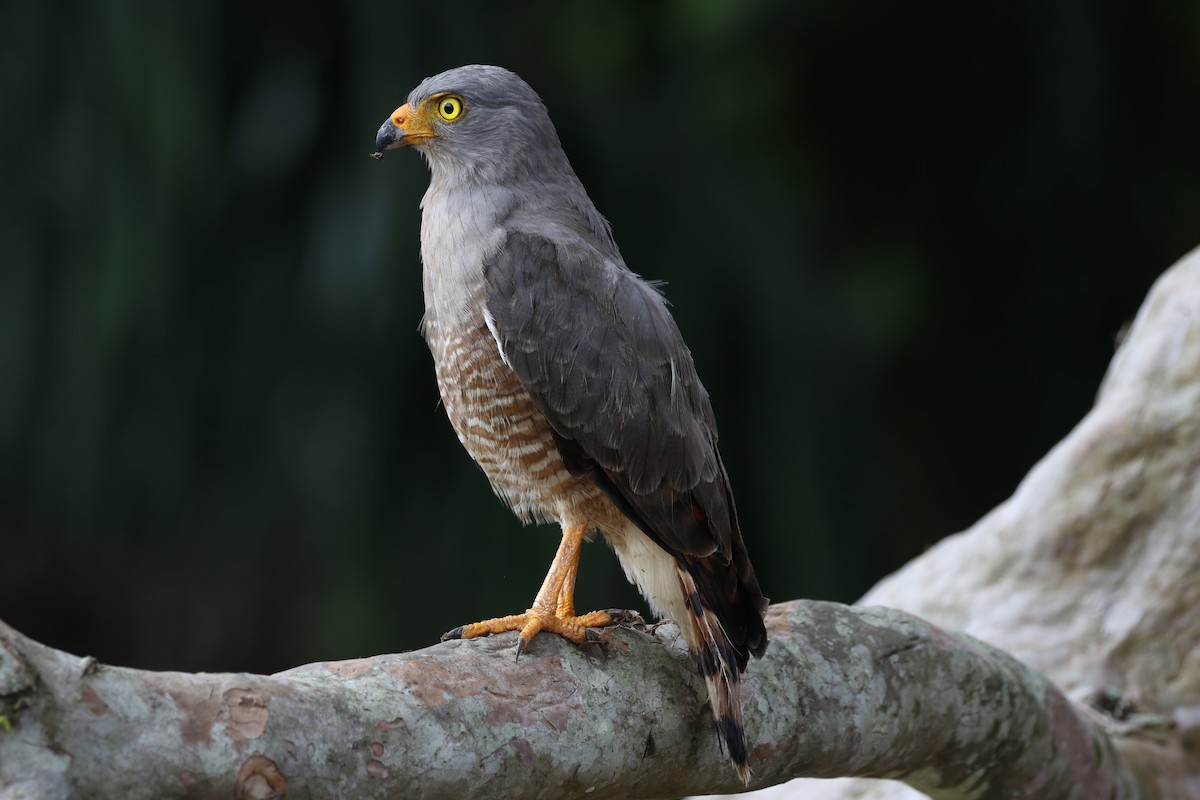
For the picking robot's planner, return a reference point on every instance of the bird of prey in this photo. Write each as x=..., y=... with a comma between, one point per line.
x=567, y=380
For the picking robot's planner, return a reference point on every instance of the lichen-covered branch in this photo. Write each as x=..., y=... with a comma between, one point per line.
x=1090, y=572
x=842, y=691
x=1088, y=575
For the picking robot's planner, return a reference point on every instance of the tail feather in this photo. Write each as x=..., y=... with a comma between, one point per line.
x=717, y=603
x=720, y=661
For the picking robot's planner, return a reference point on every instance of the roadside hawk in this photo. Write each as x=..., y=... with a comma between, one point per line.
x=568, y=382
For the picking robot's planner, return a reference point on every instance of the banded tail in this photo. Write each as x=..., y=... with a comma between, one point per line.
x=721, y=650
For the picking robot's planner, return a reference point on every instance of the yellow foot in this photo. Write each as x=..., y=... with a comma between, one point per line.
x=579, y=629
x=554, y=607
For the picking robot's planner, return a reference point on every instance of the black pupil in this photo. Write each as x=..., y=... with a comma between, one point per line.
x=448, y=107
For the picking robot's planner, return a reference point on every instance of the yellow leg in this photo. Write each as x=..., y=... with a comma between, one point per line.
x=554, y=607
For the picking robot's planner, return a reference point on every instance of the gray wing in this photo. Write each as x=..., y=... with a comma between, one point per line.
x=605, y=362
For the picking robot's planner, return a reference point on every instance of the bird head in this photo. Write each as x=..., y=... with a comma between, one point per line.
x=484, y=119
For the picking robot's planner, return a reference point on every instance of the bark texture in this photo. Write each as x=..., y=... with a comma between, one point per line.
x=1089, y=575
x=844, y=691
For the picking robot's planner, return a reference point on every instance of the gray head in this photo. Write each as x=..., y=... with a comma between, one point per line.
x=476, y=121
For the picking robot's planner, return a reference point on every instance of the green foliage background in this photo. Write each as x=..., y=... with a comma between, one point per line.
x=900, y=239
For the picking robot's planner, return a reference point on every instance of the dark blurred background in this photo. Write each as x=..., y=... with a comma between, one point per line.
x=899, y=238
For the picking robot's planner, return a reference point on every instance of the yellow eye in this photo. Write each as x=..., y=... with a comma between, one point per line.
x=450, y=107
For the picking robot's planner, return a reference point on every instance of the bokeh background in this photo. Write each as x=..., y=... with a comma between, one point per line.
x=901, y=240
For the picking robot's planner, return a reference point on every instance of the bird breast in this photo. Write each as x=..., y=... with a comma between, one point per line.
x=502, y=428
x=454, y=246
x=492, y=413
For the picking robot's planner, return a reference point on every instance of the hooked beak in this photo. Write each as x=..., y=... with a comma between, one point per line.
x=396, y=132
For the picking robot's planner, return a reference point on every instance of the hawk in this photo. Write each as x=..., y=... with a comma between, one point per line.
x=567, y=380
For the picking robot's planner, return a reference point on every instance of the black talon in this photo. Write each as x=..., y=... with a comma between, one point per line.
x=456, y=633
x=522, y=644
x=626, y=618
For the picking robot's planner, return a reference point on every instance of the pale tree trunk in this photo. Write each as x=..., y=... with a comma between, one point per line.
x=1085, y=584
x=1090, y=572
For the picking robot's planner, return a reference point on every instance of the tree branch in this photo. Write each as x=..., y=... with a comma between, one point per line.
x=1087, y=574
x=842, y=691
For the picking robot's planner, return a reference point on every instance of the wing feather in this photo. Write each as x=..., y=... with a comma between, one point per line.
x=597, y=348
